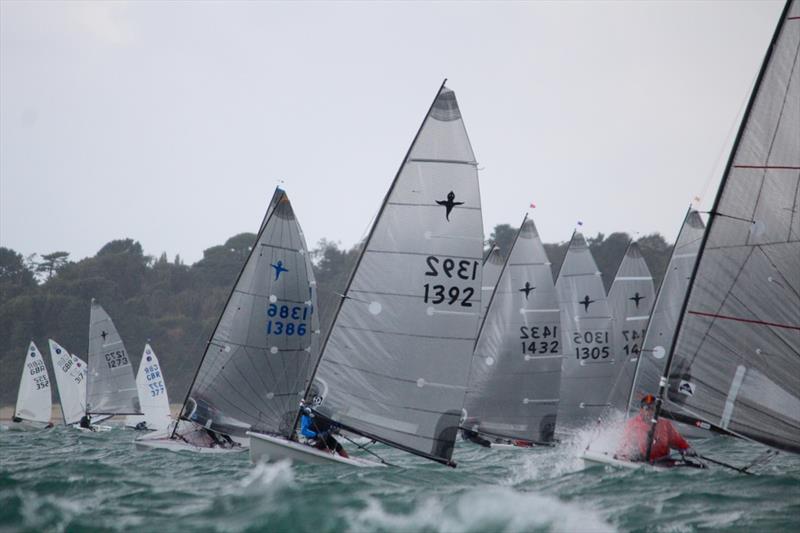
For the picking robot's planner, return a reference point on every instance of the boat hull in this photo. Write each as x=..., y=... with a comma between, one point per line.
x=270, y=448
x=175, y=445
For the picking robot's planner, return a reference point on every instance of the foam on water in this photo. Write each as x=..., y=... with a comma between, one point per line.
x=63, y=480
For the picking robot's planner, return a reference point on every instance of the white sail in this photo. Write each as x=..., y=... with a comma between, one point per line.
x=516, y=368
x=70, y=375
x=110, y=388
x=396, y=362
x=152, y=394
x=631, y=299
x=34, y=399
x=588, y=369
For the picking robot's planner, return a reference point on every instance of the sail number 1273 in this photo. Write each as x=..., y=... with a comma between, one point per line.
x=450, y=271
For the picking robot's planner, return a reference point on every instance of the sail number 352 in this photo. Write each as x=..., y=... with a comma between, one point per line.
x=449, y=292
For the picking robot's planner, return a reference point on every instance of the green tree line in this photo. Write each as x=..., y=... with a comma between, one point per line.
x=175, y=306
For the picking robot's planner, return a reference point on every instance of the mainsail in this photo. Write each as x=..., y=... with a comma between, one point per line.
x=631, y=299
x=516, y=367
x=152, y=393
x=588, y=369
x=396, y=360
x=736, y=360
x=259, y=360
x=668, y=304
x=110, y=387
x=71, y=380
x=34, y=400
x=492, y=267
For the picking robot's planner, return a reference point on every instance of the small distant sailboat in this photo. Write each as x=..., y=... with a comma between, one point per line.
x=110, y=386
x=34, y=398
x=395, y=365
x=71, y=380
x=512, y=399
x=260, y=357
x=631, y=299
x=589, y=368
x=153, y=397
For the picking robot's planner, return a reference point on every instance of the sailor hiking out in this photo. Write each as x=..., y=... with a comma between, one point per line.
x=665, y=437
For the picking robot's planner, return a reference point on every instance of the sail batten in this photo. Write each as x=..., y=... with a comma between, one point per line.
x=387, y=371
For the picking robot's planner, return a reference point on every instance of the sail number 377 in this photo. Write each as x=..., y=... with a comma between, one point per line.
x=450, y=271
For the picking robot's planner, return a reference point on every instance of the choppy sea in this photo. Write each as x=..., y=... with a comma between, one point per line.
x=65, y=480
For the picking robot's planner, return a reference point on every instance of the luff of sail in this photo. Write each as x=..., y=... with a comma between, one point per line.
x=516, y=367
x=736, y=360
x=631, y=300
x=666, y=309
x=71, y=380
x=34, y=398
x=492, y=267
x=110, y=385
x=259, y=360
x=396, y=361
x=588, y=367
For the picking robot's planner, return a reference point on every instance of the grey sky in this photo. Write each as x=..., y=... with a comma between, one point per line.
x=171, y=123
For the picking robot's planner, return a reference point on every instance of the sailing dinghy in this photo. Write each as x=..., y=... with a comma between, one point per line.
x=588, y=369
x=512, y=399
x=152, y=395
x=395, y=363
x=34, y=398
x=734, y=361
x=258, y=362
x=71, y=381
x=110, y=387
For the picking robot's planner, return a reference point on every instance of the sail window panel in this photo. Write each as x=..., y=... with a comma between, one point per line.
x=430, y=233
x=426, y=182
x=111, y=387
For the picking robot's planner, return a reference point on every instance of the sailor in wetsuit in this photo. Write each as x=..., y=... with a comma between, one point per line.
x=665, y=438
x=86, y=422
x=319, y=432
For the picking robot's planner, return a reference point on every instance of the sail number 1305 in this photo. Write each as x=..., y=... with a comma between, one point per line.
x=450, y=292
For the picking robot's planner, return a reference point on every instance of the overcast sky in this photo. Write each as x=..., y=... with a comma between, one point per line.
x=172, y=123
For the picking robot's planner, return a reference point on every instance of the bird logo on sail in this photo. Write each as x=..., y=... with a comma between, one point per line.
x=449, y=204
x=585, y=303
x=636, y=298
x=527, y=289
x=279, y=269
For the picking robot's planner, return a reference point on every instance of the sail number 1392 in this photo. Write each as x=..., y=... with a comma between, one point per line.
x=450, y=271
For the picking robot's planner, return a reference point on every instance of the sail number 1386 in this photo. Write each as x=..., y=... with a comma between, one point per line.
x=450, y=271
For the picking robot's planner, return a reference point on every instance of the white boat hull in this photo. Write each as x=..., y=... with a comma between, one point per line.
x=175, y=445
x=269, y=448
x=591, y=458
x=94, y=429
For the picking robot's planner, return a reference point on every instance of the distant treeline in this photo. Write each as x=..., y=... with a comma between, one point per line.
x=175, y=306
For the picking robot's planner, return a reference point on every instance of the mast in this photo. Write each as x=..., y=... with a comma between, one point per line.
x=363, y=250
x=712, y=218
